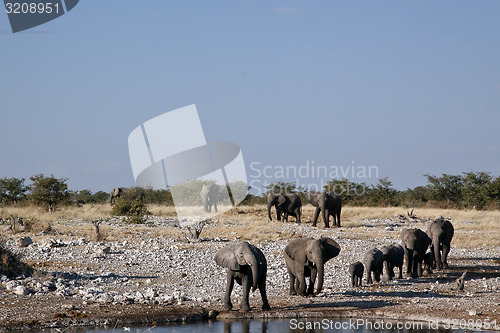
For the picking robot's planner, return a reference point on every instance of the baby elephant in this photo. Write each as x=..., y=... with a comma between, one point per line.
x=247, y=265
x=356, y=271
x=428, y=263
x=393, y=257
x=374, y=262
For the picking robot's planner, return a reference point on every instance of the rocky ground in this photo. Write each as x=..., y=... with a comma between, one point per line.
x=142, y=274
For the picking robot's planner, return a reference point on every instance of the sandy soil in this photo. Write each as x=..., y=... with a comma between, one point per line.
x=101, y=288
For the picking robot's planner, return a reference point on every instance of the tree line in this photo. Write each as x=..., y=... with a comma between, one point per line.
x=469, y=190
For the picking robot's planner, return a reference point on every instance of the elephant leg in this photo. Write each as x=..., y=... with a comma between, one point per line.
x=278, y=214
x=302, y=284
x=316, y=215
x=297, y=215
x=292, y=282
x=246, y=284
x=215, y=206
x=444, y=257
x=312, y=280
x=369, y=276
x=338, y=219
x=409, y=260
x=354, y=281
x=400, y=271
x=415, y=269
x=376, y=274
x=229, y=288
x=326, y=216
x=263, y=294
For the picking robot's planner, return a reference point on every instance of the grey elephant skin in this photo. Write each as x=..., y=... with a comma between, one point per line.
x=247, y=265
x=287, y=204
x=306, y=257
x=356, y=271
x=440, y=231
x=209, y=196
x=374, y=263
x=393, y=257
x=329, y=204
x=130, y=192
x=415, y=243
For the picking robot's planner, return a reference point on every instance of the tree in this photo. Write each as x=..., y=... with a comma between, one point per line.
x=12, y=190
x=477, y=191
x=49, y=191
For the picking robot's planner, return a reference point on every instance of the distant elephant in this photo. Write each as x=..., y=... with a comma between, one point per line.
x=132, y=192
x=328, y=203
x=415, y=243
x=306, y=257
x=209, y=196
x=287, y=204
x=440, y=232
x=247, y=265
x=356, y=271
x=393, y=257
x=374, y=263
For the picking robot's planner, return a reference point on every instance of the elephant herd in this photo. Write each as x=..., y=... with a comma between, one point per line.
x=247, y=265
x=413, y=250
x=289, y=204
x=305, y=260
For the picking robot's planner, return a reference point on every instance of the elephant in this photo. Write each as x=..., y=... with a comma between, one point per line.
x=356, y=271
x=132, y=192
x=287, y=204
x=440, y=231
x=393, y=257
x=246, y=264
x=306, y=257
x=415, y=243
x=428, y=262
x=209, y=196
x=374, y=262
x=328, y=203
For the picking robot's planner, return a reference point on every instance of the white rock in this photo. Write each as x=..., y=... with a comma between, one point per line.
x=21, y=291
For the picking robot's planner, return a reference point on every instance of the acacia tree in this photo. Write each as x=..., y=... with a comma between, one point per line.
x=12, y=190
x=49, y=191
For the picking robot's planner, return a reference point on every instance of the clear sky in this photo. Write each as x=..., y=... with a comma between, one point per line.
x=411, y=87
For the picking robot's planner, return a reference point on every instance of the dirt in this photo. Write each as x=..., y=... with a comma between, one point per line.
x=433, y=298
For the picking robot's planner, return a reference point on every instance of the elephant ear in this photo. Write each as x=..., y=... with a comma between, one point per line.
x=281, y=199
x=296, y=250
x=225, y=257
x=332, y=248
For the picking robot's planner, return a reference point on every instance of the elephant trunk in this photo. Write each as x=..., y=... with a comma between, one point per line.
x=269, y=204
x=321, y=273
x=437, y=253
x=252, y=261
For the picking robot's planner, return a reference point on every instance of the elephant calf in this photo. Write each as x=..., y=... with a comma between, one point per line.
x=393, y=257
x=374, y=262
x=356, y=271
x=415, y=243
x=246, y=265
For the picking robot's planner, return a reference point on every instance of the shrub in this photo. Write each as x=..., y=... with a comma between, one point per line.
x=49, y=191
x=136, y=210
x=10, y=264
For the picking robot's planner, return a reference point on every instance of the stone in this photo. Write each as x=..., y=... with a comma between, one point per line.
x=24, y=241
x=21, y=290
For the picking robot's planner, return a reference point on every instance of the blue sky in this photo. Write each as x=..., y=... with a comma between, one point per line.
x=411, y=87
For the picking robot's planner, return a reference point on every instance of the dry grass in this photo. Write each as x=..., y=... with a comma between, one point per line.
x=472, y=228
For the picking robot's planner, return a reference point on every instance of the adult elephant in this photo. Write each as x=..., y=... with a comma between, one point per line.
x=393, y=257
x=131, y=193
x=440, y=232
x=415, y=243
x=328, y=203
x=209, y=196
x=306, y=257
x=246, y=265
x=287, y=204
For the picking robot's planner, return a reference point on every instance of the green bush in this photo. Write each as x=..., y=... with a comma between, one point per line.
x=136, y=210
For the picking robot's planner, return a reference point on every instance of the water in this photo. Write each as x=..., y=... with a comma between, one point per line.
x=292, y=326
